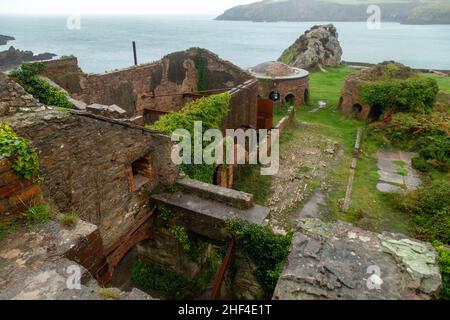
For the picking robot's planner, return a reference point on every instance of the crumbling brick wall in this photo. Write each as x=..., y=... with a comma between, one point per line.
x=13, y=97
x=16, y=193
x=86, y=160
x=157, y=86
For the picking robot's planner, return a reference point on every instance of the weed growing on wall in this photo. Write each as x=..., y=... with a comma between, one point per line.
x=189, y=246
x=210, y=111
x=28, y=77
x=266, y=249
x=24, y=158
x=201, y=66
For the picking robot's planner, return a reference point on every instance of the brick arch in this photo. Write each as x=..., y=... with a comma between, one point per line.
x=117, y=252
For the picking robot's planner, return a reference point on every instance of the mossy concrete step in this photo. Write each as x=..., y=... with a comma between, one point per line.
x=227, y=196
x=206, y=217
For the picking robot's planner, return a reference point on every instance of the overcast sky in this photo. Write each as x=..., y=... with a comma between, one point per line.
x=117, y=6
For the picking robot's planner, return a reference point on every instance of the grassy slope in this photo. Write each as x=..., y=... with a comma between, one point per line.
x=369, y=208
x=444, y=82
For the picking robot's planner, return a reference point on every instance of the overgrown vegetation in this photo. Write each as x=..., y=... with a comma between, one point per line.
x=210, y=111
x=427, y=134
x=24, y=158
x=444, y=264
x=189, y=246
x=417, y=94
x=429, y=207
x=28, y=77
x=201, y=66
x=34, y=216
x=248, y=179
x=266, y=249
x=173, y=285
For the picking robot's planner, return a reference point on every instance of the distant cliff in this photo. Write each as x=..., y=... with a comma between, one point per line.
x=4, y=39
x=413, y=12
x=12, y=58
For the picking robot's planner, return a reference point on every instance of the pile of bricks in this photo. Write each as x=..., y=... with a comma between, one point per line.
x=16, y=193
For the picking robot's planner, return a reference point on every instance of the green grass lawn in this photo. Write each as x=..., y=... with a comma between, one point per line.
x=443, y=82
x=369, y=208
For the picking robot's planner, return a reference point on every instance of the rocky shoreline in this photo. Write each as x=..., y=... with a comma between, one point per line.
x=13, y=58
x=4, y=39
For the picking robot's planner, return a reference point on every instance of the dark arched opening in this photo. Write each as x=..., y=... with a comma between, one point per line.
x=290, y=99
x=306, y=96
x=375, y=113
x=341, y=100
x=357, y=108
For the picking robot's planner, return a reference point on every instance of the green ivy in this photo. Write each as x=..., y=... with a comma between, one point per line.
x=24, y=157
x=417, y=94
x=211, y=111
x=266, y=249
x=191, y=248
x=201, y=66
x=28, y=77
x=163, y=212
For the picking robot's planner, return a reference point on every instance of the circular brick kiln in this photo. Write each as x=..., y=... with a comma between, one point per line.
x=291, y=84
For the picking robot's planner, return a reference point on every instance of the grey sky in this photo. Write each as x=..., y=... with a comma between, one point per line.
x=117, y=6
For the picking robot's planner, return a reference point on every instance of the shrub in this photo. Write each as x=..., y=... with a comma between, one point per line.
x=429, y=207
x=417, y=94
x=427, y=134
x=210, y=111
x=28, y=77
x=266, y=249
x=444, y=264
x=24, y=158
x=171, y=285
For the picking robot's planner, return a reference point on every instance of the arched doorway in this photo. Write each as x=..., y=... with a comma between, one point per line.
x=341, y=100
x=357, y=108
x=290, y=99
x=306, y=96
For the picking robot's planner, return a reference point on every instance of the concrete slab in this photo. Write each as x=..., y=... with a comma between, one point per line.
x=207, y=217
x=387, y=187
x=387, y=162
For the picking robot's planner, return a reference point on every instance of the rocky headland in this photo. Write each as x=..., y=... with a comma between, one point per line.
x=13, y=57
x=4, y=39
x=406, y=12
x=316, y=48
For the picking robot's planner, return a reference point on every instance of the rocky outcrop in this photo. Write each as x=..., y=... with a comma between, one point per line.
x=13, y=57
x=339, y=261
x=317, y=47
x=4, y=39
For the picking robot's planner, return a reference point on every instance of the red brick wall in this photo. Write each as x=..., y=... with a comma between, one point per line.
x=296, y=87
x=16, y=193
x=350, y=98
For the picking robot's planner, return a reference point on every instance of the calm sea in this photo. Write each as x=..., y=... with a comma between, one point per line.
x=104, y=43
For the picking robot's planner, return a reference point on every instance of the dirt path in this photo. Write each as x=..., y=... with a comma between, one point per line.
x=306, y=158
